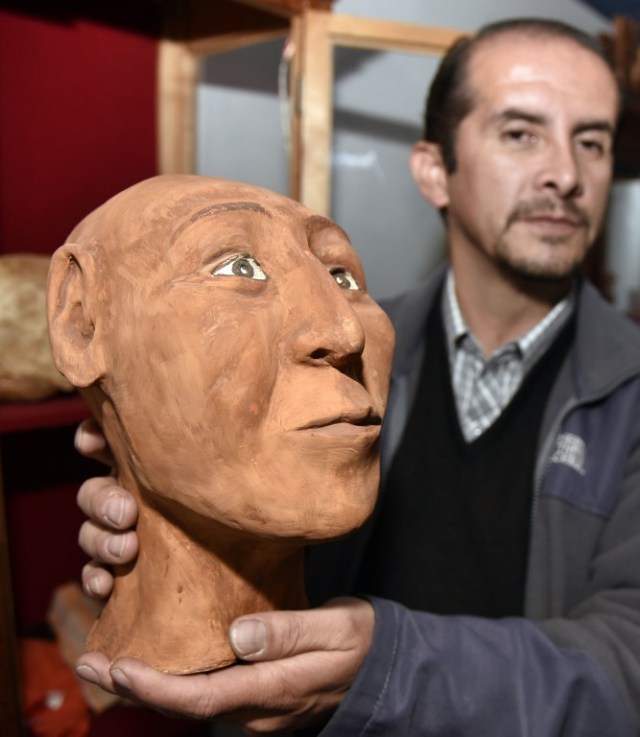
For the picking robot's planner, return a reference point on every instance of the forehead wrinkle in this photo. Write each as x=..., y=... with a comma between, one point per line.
x=219, y=209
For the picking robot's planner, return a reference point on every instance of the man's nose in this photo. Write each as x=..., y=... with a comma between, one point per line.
x=560, y=170
x=323, y=326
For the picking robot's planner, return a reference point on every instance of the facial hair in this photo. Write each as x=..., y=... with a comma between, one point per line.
x=540, y=207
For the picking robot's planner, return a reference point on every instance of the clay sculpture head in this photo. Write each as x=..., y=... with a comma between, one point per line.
x=224, y=339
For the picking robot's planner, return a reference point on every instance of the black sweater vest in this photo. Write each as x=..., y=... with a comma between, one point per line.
x=452, y=530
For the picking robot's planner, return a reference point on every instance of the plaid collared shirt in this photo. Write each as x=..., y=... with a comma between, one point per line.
x=484, y=387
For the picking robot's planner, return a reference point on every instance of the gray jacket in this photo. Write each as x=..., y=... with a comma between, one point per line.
x=571, y=667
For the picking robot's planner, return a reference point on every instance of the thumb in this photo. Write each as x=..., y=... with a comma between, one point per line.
x=276, y=635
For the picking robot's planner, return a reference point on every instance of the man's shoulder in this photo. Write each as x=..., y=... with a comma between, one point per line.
x=607, y=341
x=601, y=319
x=409, y=313
x=416, y=302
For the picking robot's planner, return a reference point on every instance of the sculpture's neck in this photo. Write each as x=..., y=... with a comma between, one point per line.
x=173, y=607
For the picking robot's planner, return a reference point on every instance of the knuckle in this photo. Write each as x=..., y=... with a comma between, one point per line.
x=84, y=495
x=105, y=546
x=289, y=636
x=87, y=578
x=110, y=548
x=86, y=538
x=129, y=545
x=96, y=581
x=202, y=706
x=92, y=493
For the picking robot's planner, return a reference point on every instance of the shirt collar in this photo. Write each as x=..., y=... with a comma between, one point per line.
x=530, y=344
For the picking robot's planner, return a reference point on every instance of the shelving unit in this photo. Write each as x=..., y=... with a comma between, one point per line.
x=99, y=100
x=41, y=474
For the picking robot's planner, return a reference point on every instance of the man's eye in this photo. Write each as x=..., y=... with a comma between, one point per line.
x=519, y=136
x=592, y=146
x=345, y=279
x=242, y=265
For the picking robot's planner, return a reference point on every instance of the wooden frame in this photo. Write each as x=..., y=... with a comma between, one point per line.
x=315, y=33
x=178, y=76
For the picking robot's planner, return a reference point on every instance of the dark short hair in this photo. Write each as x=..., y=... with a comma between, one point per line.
x=450, y=100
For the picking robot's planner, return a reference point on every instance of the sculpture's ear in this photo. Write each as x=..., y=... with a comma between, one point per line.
x=430, y=173
x=73, y=311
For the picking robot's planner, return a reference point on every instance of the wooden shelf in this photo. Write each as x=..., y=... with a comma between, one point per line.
x=57, y=412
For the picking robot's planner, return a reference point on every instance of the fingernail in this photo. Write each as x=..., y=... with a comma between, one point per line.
x=91, y=586
x=77, y=439
x=120, y=678
x=87, y=673
x=115, y=545
x=248, y=637
x=114, y=510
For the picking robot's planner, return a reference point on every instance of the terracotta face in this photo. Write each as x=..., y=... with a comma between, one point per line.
x=247, y=363
x=534, y=155
x=224, y=338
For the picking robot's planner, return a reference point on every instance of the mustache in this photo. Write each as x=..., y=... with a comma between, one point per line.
x=548, y=206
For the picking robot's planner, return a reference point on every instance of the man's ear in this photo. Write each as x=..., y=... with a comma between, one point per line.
x=430, y=173
x=73, y=314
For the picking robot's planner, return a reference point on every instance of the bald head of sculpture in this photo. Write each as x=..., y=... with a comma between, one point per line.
x=224, y=337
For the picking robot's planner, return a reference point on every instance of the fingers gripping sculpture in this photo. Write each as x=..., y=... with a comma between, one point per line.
x=223, y=337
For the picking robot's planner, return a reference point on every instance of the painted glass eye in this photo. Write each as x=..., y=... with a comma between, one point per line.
x=345, y=279
x=241, y=265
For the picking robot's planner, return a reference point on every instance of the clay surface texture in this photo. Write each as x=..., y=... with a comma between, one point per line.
x=225, y=341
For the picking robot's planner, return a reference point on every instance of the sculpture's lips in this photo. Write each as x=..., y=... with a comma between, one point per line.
x=345, y=420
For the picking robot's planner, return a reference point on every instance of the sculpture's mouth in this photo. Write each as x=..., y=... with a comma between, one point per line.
x=361, y=418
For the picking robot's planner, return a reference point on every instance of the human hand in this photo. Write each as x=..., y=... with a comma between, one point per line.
x=106, y=536
x=90, y=442
x=300, y=666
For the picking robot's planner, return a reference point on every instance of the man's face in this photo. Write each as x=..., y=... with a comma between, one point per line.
x=534, y=156
x=252, y=375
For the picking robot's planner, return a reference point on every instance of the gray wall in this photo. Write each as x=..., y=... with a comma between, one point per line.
x=379, y=100
x=470, y=14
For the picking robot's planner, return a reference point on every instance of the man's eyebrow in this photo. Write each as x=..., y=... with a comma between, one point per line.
x=595, y=125
x=320, y=222
x=515, y=113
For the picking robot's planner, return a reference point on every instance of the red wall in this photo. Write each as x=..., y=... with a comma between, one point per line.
x=77, y=122
x=77, y=125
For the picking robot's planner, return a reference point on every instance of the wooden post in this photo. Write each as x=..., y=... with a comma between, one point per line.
x=178, y=71
x=316, y=98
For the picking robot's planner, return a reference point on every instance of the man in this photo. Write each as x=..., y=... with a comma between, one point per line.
x=224, y=339
x=506, y=540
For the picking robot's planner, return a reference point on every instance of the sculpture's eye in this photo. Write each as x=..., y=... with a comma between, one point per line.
x=241, y=265
x=345, y=279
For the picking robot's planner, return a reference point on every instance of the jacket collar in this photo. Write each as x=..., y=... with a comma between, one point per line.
x=409, y=313
x=607, y=343
x=607, y=346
